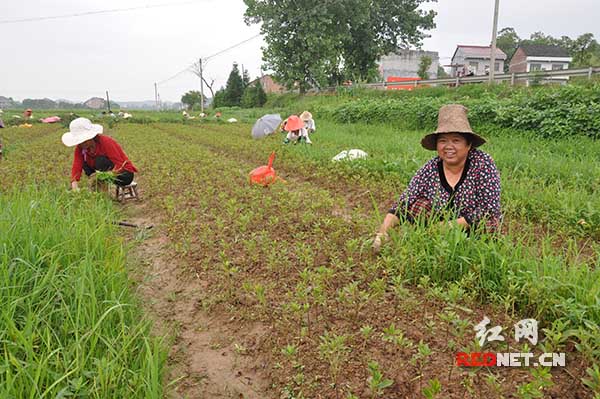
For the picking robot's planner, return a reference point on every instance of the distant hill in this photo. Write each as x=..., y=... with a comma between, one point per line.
x=92, y=103
x=148, y=105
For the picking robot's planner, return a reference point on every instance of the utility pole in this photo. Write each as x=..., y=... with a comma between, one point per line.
x=201, y=87
x=156, y=96
x=107, y=101
x=494, y=34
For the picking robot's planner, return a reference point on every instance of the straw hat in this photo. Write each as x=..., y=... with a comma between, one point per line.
x=80, y=130
x=293, y=123
x=306, y=116
x=452, y=118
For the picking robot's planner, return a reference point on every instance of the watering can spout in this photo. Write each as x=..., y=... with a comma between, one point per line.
x=271, y=159
x=265, y=175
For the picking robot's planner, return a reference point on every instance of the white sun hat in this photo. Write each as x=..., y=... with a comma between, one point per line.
x=80, y=130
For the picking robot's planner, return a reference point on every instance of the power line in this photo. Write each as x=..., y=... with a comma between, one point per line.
x=87, y=13
x=187, y=68
x=232, y=47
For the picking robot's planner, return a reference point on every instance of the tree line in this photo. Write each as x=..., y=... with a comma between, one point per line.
x=238, y=92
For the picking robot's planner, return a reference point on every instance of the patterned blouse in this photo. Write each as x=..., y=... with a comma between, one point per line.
x=476, y=196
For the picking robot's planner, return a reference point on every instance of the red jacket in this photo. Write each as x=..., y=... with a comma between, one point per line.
x=106, y=146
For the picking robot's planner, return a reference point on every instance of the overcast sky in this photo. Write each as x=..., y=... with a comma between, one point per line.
x=126, y=52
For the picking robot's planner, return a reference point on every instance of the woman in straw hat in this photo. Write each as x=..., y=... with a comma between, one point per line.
x=309, y=122
x=461, y=180
x=96, y=152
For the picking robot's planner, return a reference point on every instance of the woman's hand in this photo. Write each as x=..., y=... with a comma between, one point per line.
x=379, y=239
x=382, y=236
x=74, y=186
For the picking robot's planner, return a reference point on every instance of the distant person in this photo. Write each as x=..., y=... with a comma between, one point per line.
x=309, y=122
x=296, y=131
x=96, y=152
x=28, y=114
x=460, y=186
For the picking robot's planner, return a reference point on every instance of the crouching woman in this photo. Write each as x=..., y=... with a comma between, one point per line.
x=461, y=180
x=96, y=152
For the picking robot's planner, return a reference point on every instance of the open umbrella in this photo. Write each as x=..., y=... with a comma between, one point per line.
x=265, y=125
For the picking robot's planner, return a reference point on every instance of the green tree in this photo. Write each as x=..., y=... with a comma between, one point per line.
x=311, y=43
x=379, y=27
x=234, y=88
x=585, y=50
x=441, y=73
x=192, y=99
x=246, y=78
x=36, y=103
x=508, y=41
x=254, y=96
x=424, y=65
x=219, y=98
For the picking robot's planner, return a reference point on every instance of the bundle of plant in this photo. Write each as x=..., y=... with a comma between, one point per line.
x=102, y=180
x=106, y=177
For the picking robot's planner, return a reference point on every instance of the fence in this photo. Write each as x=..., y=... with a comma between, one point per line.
x=512, y=77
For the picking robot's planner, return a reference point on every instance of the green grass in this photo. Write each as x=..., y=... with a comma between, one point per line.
x=68, y=324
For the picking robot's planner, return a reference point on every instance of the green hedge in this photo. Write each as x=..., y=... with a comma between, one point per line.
x=548, y=111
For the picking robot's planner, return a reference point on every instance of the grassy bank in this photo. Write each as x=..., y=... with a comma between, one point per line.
x=68, y=324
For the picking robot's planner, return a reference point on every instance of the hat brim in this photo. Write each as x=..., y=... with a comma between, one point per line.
x=429, y=142
x=70, y=140
x=291, y=126
x=306, y=116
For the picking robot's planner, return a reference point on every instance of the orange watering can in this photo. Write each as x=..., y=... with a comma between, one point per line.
x=265, y=175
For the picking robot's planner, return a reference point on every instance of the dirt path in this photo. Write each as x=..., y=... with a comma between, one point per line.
x=209, y=355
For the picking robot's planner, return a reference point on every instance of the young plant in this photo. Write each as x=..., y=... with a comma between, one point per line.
x=395, y=336
x=593, y=382
x=377, y=382
x=334, y=351
x=419, y=359
x=542, y=379
x=432, y=389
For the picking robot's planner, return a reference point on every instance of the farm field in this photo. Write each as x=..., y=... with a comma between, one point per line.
x=273, y=292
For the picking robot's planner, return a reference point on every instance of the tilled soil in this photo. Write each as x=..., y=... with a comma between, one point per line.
x=268, y=292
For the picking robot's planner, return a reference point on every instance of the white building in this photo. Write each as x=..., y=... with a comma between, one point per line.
x=475, y=60
x=539, y=57
x=405, y=64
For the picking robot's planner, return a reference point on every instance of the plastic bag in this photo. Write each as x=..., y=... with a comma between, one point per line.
x=265, y=175
x=350, y=155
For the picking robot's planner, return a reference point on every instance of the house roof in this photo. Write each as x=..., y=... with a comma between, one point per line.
x=479, y=52
x=544, y=50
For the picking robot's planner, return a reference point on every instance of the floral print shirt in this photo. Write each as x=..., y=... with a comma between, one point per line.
x=476, y=196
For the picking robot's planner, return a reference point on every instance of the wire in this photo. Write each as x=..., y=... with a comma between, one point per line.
x=187, y=68
x=230, y=48
x=82, y=14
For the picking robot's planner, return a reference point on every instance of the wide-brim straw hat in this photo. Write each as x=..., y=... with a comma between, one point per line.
x=80, y=130
x=293, y=123
x=306, y=116
x=452, y=118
